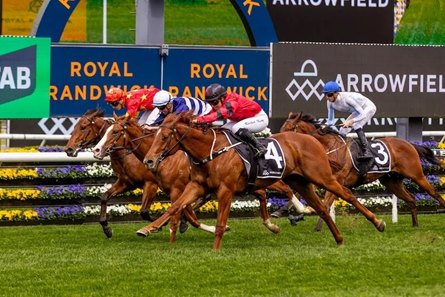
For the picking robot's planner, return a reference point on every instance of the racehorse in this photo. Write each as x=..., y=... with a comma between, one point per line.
x=131, y=173
x=405, y=158
x=127, y=134
x=305, y=163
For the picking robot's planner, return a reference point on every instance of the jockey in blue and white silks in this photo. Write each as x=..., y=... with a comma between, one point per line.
x=360, y=108
x=165, y=102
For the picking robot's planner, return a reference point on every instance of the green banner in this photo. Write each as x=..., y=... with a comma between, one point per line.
x=24, y=77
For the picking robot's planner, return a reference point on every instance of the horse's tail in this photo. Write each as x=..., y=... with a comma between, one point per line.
x=427, y=154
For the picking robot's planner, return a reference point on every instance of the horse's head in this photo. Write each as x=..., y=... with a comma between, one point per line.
x=168, y=139
x=86, y=132
x=299, y=123
x=117, y=137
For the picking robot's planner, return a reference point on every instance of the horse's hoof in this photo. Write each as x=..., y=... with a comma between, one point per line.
x=183, y=227
x=143, y=233
x=227, y=228
x=108, y=232
x=381, y=226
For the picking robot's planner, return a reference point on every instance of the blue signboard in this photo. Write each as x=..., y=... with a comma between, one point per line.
x=188, y=71
x=81, y=76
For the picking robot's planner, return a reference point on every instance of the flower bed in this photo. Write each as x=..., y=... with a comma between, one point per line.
x=71, y=193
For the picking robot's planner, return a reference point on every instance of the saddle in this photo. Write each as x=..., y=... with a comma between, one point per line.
x=270, y=165
x=380, y=163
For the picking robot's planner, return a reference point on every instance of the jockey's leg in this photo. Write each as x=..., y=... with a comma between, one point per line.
x=366, y=154
x=247, y=136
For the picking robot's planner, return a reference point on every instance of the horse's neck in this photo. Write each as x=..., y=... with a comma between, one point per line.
x=140, y=143
x=102, y=126
x=331, y=141
x=201, y=145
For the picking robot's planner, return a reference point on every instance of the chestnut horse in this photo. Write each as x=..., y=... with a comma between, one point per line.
x=127, y=134
x=131, y=173
x=305, y=164
x=405, y=158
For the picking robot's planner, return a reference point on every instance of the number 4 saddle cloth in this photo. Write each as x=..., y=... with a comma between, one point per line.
x=380, y=163
x=271, y=165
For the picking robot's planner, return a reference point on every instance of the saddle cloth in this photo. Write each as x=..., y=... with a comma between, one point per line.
x=271, y=165
x=381, y=162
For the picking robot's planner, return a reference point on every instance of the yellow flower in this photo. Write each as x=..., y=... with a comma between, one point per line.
x=13, y=173
x=137, y=191
x=441, y=145
x=19, y=194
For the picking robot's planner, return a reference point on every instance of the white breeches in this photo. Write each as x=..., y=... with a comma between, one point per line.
x=255, y=124
x=369, y=113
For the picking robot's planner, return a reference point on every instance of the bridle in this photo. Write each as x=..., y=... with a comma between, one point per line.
x=173, y=135
x=129, y=149
x=213, y=154
x=84, y=143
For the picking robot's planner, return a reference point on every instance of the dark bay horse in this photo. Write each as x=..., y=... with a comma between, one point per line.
x=405, y=158
x=127, y=134
x=305, y=164
x=131, y=173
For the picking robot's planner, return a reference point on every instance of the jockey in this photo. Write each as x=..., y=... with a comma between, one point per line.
x=165, y=102
x=361, y=110
x=243, y=116
x=134, y=101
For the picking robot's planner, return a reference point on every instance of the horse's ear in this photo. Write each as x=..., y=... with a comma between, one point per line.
x=299, y=115
x=290, y=115
x=115, y=116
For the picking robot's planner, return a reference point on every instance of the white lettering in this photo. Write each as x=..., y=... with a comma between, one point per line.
x=341, y=3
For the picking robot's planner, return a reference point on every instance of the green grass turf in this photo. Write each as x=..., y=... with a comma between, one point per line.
x=187, y=22
x=78, y=260
x=423, y=23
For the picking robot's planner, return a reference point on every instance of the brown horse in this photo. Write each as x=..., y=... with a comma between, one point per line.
x=305, y=164
x=129, y=135
x=131, y=173
x=405, y=158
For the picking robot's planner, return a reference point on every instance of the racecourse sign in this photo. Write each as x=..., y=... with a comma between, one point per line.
x=24, y=77
x=370, y=21
x=385, y=74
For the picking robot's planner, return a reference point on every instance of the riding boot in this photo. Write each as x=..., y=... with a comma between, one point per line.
x=366, y=153
x=248, y=137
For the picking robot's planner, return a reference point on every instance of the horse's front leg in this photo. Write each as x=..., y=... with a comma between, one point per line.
x=148, y=193
x=118, y=187
x=225, y=196
x=264, y=212
x=328, y=202
x=191, y=192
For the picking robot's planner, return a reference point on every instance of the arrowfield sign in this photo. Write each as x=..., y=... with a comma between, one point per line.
x=24, y=77
x=370, y=21
x=403, y=81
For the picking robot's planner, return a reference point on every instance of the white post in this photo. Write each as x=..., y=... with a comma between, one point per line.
x=104, y=22
x=394, y=209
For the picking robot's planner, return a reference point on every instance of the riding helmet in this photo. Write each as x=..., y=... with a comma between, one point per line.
x=162, y=98
x=214, y=92
x=331, y=87
x=114, y=94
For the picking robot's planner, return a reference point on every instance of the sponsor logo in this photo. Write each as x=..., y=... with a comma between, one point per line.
x=333, y=3
x=307, y=84
x=17, y=74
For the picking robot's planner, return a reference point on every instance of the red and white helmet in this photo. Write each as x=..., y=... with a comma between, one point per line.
x=115, y=94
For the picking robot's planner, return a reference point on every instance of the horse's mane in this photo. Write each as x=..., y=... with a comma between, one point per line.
x=320, y=130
